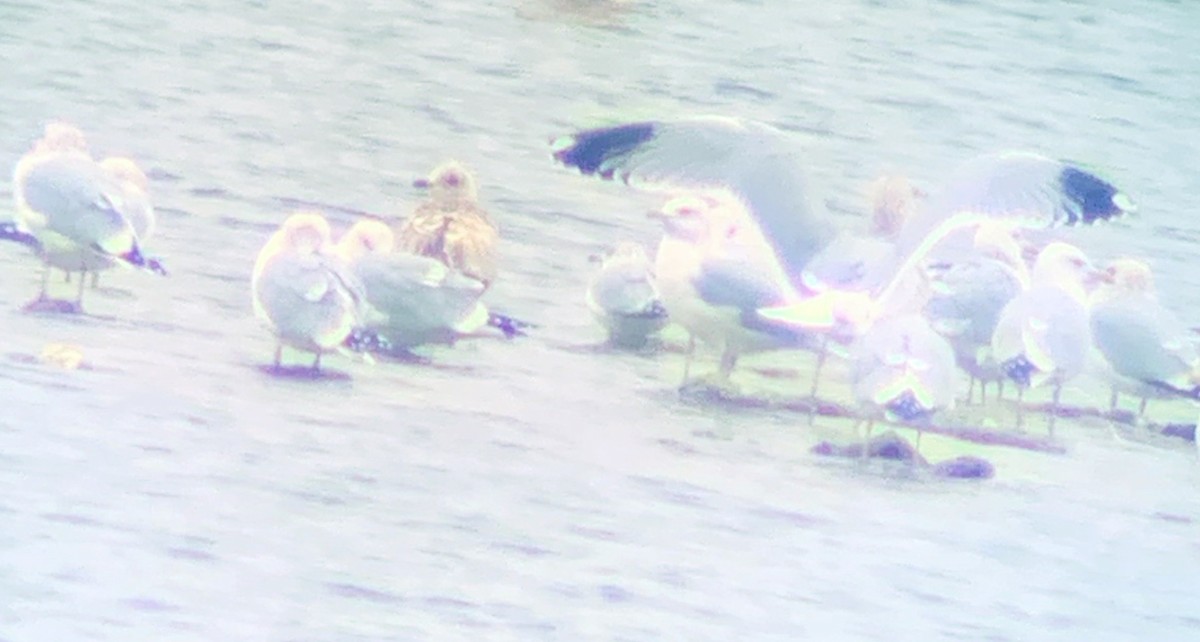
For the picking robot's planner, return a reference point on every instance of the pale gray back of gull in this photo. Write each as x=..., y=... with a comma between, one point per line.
x=413, y=299
x=967, y=296
x=1148, y=348
x=76, y=212
x=866, y=260
x=851, y=262
x=71, y=203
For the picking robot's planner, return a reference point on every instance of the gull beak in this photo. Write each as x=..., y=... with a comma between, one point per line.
x=657, y=215
x=1029, y=252
x=1095, y=277
x=421, y=183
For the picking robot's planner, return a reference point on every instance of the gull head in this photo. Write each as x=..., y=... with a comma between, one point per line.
x=125, y=170
x=627, y=251
x=449, y=184
x=1130, y=275
x=61, y=136
x=624, y=252
x=305, y=232
x=696, y=218
x=1065, y=266
x=366, y=236
x=893, y=202
x=997, y=240
x=1124, y=277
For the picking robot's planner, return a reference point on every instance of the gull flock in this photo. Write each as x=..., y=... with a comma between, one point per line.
x=973, y=284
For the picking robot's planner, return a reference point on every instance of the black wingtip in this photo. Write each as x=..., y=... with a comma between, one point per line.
x=509, y=326
x=132, y=257
x=135, y=258
x=364, y=340
x=1187, y=393
x=656, y=310
x=1096, y=198
x=1019, y=369
x=907, y=408
x=156, y=265
x=10, y=232
x=590, y=150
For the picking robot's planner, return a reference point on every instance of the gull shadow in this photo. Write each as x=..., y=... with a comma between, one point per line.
x=301, y=373
x=401, y=356
x=826, y=408
x=892, y=447
x=52, y=306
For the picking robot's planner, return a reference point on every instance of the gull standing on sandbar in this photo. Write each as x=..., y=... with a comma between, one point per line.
x=740, y=234
x=413, y=300
x=303, y=290
x=1043, y=335
x=75, y=210
x=1148, y=349
x=623, y=296
x=451, y=226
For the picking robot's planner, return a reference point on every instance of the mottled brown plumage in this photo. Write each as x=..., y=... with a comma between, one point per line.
x=451, y=226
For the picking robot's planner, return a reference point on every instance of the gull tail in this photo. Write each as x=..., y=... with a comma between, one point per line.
x=362, y=340
x=907, y=408
x=509, y=326
x=9, y=231
x=656, y=310
x=1192, y=392
x=155, y=265
x=1020, y=370
x=135, y=258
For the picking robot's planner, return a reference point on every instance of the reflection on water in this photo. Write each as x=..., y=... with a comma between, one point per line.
x=166, y=489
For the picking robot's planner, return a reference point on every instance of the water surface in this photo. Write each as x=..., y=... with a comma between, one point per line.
x=534, y=489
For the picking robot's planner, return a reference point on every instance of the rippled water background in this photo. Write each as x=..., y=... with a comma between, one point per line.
x=541, y=489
